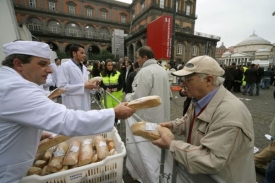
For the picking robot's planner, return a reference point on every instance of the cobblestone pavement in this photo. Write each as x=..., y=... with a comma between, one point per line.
x=261, y=108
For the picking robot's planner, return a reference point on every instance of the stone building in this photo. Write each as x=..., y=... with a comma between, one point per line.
x=253, y=48
x=219, y=52
x=91, y=23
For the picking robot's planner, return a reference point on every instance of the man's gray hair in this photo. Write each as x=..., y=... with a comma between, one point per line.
x=217, y=79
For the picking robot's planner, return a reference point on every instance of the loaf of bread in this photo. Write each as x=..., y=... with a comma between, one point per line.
x=95, y=79
x=47, y=156
x=40, y=163
x=149, y=130
x=94, y=158
x=55, y=93
x=101, y=147
x=145, y=102
x=34, y=171
x=86, y=152
x=110, y=144
x=45, y=145
x=45, y=171
x=71, y=157
x=56, y=162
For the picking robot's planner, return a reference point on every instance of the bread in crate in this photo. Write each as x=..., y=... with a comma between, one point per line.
x=78, y=153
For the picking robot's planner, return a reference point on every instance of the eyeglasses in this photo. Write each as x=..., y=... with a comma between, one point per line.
x=185, y=79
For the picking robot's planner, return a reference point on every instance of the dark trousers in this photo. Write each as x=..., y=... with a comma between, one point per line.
x=228, y=84
x=270, y=173
x=237, y=86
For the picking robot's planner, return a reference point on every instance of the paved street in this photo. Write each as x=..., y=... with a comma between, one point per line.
x=261, y=108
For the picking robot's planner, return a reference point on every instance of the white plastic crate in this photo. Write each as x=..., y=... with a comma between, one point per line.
x=109, y=170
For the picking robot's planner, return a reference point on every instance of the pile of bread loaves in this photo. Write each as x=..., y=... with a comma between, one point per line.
x=75, y=154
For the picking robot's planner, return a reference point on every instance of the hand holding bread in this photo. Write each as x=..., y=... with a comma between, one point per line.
x=164, y=141
x=150, y=130
x=122, y=111
x=95, y=80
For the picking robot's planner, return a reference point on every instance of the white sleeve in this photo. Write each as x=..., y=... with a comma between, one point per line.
x=34, y=109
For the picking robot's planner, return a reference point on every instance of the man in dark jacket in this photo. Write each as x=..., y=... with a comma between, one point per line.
x=229, y=76
x=260, y=75
x=251, y=79
x=238, y=79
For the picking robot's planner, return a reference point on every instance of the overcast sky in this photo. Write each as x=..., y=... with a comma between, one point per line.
x=235, y=20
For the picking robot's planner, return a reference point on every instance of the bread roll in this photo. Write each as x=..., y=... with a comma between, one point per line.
x=149, y=130
x=145, y=102
x=40, y=163
x=56, y=162
x=94, y=158
x=110, y=144
x=71, y=157
x=39, y=156
x=45, y=145
x=47, y=156
x=86, y=152
x=95, y=79
x=34, y=171
x=101, y=147
x=45, y=171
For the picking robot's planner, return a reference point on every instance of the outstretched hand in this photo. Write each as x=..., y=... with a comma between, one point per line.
x=122, y=111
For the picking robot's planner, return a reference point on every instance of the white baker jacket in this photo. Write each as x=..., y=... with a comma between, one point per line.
x=24, y=109
x=72, y=79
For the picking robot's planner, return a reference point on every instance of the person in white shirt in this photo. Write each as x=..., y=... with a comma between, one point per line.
x=25, y=110
x=73, y=76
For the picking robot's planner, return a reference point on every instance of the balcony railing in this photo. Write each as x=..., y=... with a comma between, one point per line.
x=60, y=13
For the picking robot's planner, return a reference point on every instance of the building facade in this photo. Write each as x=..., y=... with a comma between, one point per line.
x=253, y=48
x=91, y=23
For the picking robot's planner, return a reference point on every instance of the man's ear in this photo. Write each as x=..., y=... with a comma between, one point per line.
x=17, y=64
x=210, y=80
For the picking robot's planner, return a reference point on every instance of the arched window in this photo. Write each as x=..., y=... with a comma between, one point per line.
x=89, y=32
x=34, y=24
x=179, y=49
x=72, y=30
x=54, y=27
x=104, y=33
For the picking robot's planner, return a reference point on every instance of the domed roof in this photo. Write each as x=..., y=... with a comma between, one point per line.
x=222, y=46
x=253, y=39
x=262, y=50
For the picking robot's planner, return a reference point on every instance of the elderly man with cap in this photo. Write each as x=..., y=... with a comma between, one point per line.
x=25, y=111
x=218, y=127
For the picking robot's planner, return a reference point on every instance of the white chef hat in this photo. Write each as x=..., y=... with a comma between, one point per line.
x=33, y=48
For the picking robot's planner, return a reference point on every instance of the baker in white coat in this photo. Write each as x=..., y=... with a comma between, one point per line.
x=73, y=76
x=25, y=110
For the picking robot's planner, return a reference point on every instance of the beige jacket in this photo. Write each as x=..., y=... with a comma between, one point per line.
x=222, y=140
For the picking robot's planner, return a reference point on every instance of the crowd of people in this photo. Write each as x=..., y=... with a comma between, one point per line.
x=244, y=79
